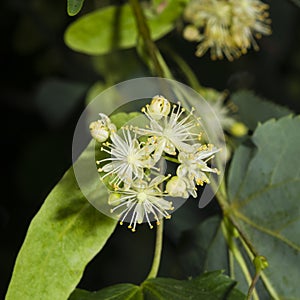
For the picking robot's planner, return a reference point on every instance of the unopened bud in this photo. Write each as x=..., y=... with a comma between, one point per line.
x=191, y=33
x=99, y=132
x=176, y=187
x=159, y=107
x=101, y=129
x=238, y=129
x=114, y=199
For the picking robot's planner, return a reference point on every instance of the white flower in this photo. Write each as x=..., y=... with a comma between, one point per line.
x=140, y=200
x=226, y=27
x=171, y=133
x=128, y=158
x=250, y=19
x=102, y=128
x=194, y=165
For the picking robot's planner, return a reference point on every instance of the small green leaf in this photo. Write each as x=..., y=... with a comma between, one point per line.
x=209, y=286
x=253, y=109
x=263, y=190
x=62, y=239
x=114, y=27
x=74, y=7
x=123, y=291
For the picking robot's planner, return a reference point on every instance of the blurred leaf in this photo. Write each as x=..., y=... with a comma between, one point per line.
x=203, y=248
x=123, y=291
x=209, y=286
x=62, y=238
x=263, y=188
x=253, y=109
x=296, y=2
x=96, y=89
x=74, y=7
x=119, y=119
x=57, y=98
x=108, y=65
x=114, y=27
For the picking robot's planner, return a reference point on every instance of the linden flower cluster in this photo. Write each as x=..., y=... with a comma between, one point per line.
x=138, y=191
x=226, y=27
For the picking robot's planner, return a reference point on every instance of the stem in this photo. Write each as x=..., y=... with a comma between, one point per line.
x=252, y=286
x=238, y=256
x=229, y=213
x=157, y=253
x=145, y=33
x=264, y=278
x=185, y=68
x=243, y=236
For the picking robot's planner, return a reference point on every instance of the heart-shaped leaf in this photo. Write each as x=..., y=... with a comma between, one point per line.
x=263, y=190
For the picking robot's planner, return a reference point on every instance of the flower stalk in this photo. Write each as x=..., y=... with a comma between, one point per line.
x=145, y=34
x=157, y=252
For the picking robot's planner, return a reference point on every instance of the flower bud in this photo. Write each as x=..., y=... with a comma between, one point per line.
x=99, y=132
x=114, y=199
x=101, y=129
x=238, y=129
x=191, y=33
x=159, y=107
x=176, y=187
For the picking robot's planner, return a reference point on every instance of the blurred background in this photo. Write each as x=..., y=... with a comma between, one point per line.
x=43, y=91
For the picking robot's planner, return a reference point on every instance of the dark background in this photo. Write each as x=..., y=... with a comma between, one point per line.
x=42, y=90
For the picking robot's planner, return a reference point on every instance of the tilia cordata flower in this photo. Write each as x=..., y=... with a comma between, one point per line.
x=133, y=156
x=226, y=27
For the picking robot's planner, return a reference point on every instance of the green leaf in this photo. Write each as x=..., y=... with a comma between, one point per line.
x=131, y=64
x=264, y=189
x=74, y=7
x=122, y=118
x=123, y=291
x=62, y=238
x=114, y=27
x=253, y=109
x=209, y=286
x=203, y=248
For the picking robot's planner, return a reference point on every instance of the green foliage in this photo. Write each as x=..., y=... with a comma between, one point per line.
x=264, y=191
x=203, y=248
x=119, y=119
x=123, y=291
x=253, y=109
x=74, y=7
x=62, y=238
x=114, y=27
x=209, y=286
